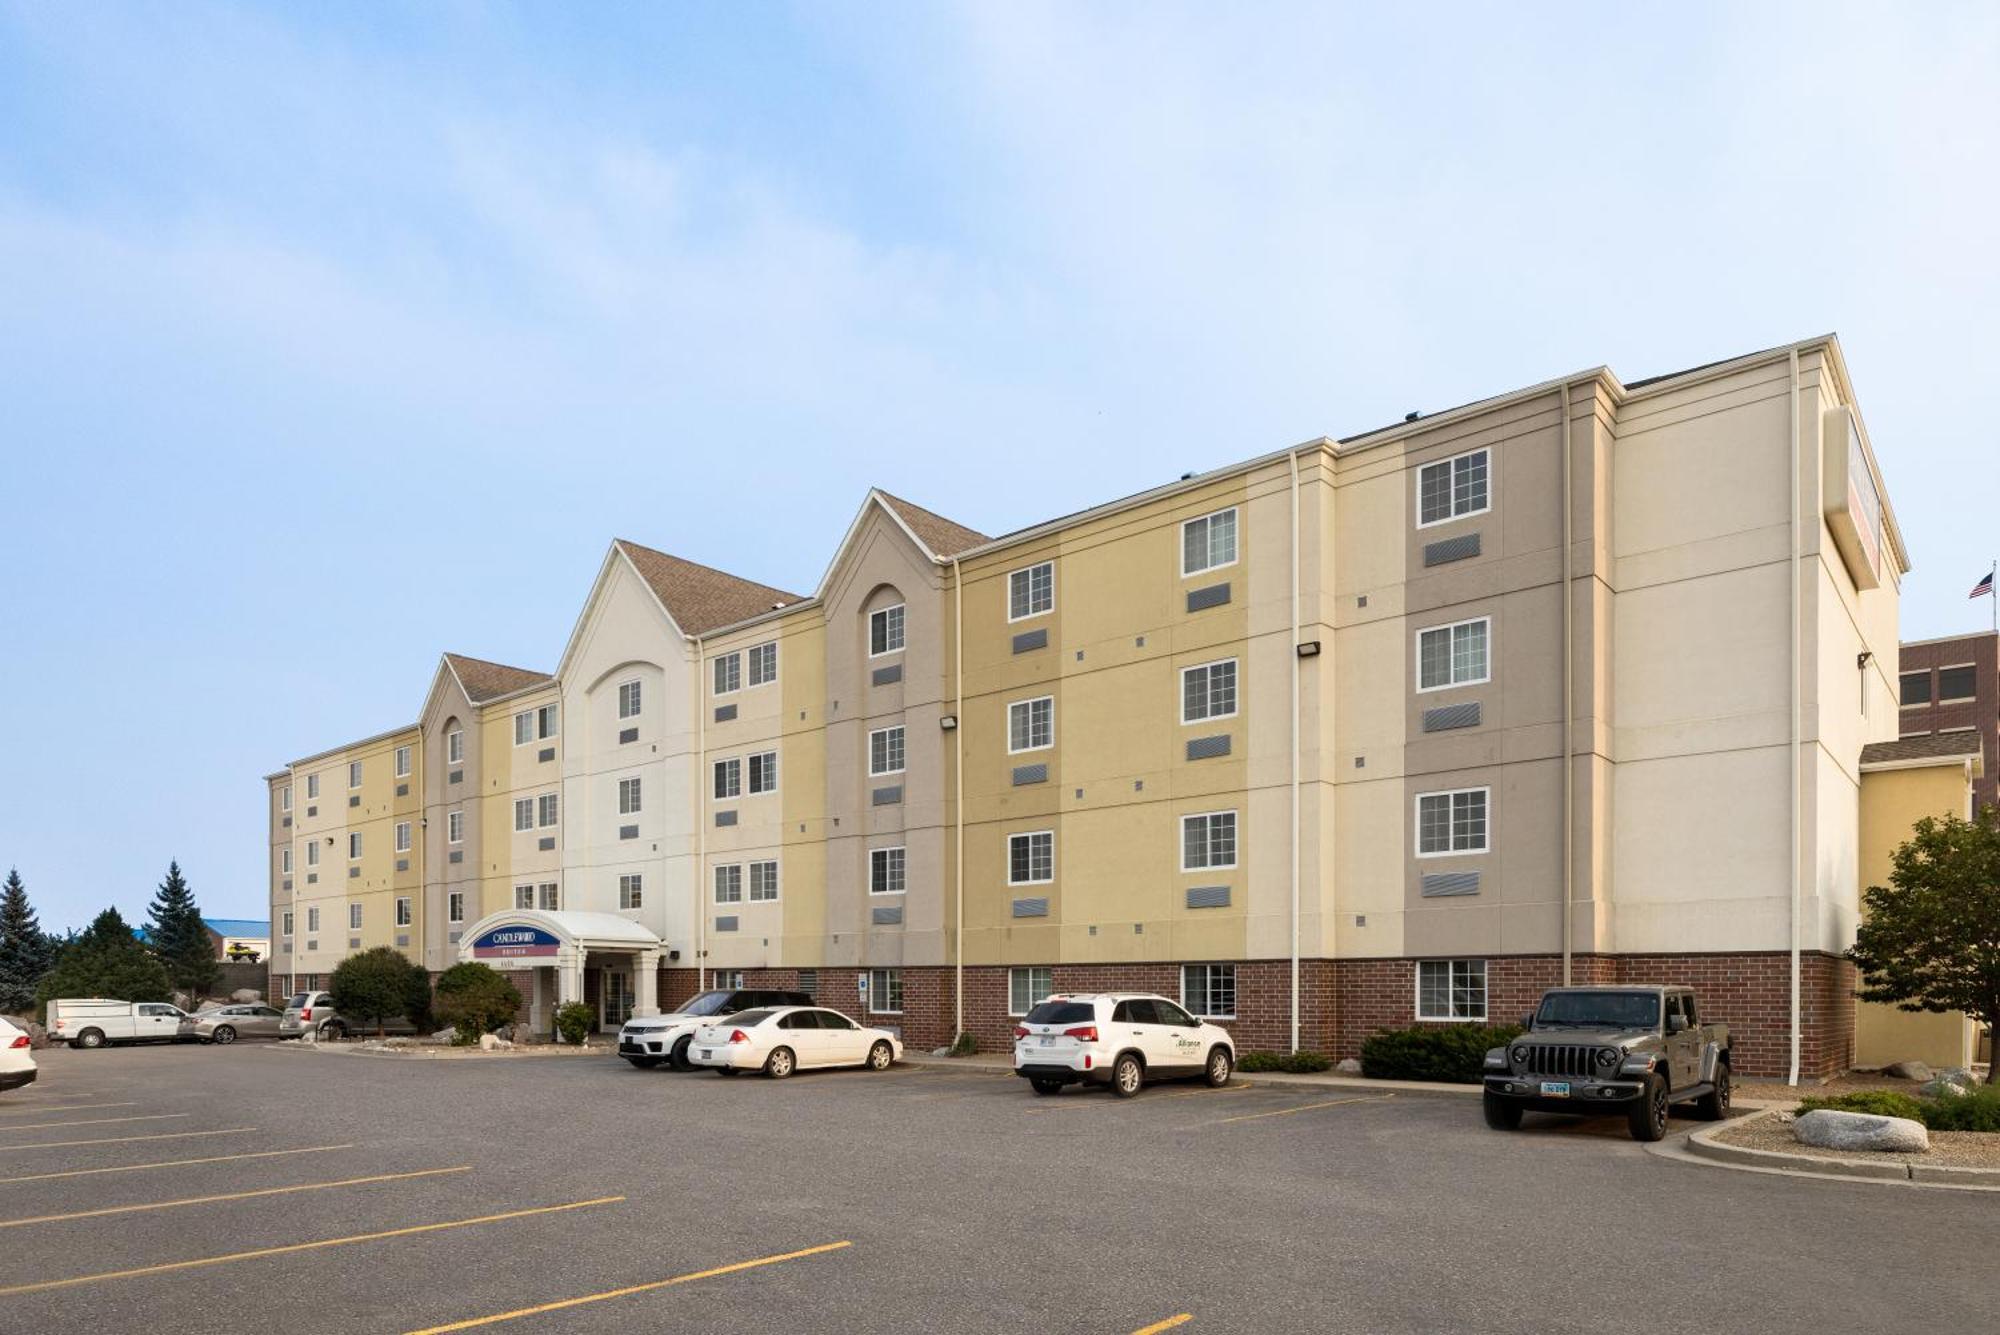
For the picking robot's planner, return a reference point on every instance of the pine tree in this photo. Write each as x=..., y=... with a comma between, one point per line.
x=105, y=960
x=26, y=953
x=180, y=939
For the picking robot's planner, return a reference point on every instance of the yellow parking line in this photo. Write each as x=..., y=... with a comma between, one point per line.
x=1168, y=1324
x=564, y=1303
x=95, y=1121
x=1304, y=1107
x=230, y=1196
x=64, y=1107
x=123, y=1140
x=299, y=1247
x=1078, y=1105
x=173, y=1163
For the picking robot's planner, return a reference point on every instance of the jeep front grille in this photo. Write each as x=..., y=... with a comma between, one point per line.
x=1561, y=1059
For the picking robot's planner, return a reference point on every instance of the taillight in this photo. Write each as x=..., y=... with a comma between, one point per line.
x=1020, y=1031
x=306, y=1014
x=1085, y=1032
x=738, y=1036
x=20, y=1041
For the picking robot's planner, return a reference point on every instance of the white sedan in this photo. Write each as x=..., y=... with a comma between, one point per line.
x=778, y=1040
x=17, y=1063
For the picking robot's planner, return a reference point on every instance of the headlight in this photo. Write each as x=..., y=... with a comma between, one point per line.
x=1520, y=1055
x=1607, y=1057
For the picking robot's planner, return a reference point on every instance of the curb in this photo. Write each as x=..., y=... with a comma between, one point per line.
x=439, y=1054
x=1704, y=1145
x=997, y=1066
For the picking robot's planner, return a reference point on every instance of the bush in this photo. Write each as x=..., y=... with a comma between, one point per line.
x=1454, y=1053
x=574, y=1020
x=1298, y=1063
x=475, y=998
x=465, y=1036
x=964, y=1046
x=1976, y=1111
x=1877, y=1102
x=378, y=985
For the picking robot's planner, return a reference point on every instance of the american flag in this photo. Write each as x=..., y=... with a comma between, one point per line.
x=1984, y=588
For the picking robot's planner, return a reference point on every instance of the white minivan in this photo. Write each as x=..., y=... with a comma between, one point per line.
x=92, y=1022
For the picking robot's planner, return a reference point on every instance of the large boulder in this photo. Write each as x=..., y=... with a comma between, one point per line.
x=448, y=1034
x=493, y=1042
x=1348, y=1066
x=1947, y=1082
x=1826, y=1129
x=243, y=995
x=1909, y=1071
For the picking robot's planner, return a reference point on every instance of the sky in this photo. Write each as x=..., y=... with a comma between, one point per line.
x=335, y=337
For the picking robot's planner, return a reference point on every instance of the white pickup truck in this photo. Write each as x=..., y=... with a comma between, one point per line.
x=92, y=1022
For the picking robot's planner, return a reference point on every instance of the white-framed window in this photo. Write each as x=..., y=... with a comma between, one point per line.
x=524, y=727
x=285, y=923
x=764, y=882
x=1452, y=822
x=1451, y=989
x=404, y=911
x=1209, y=990
x=353, y=774
x=885, y=750
x=285, y=860
x=885, y=870
x=454, y=906
x=1031, y=857
x=1208, y=841
x=454, y=745
x=629, y=699
x=631, y=891
x=1028, y=985
x=546, y=810
x=524, y=813
x=885, y=631
x=312, y=853
x=454, y=827
x=1031, y=724
x=885, y=991
x=1452, y=489
x=547, y=719
x=353, y=917
x=285, y=798
x=524, y=896
x=728, y=778
x=728, y=673
x=549, y=895
x=312, y=786
x=763, y=664
x=1209, y=543
x=312, y=918
x=1208, y=691
x=764, y=772
x=402, y=762
x=729, y=883
x=1454, y=655
x=730, y=979
x=628, y=797
x=1031, y=592
x=402, y=836
x=354, y=845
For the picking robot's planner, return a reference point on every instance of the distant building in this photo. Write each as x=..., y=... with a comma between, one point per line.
x=1949, y=685
x=248, y=938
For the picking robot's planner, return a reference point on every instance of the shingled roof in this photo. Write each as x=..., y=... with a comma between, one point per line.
x=1933, y=746
x=701, y=598
x=941, y=535
x=485, y=681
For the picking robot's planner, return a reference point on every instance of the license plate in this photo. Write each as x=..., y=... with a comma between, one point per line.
x=704, y=1054
x=1555, y=1089
x=1048, y=1041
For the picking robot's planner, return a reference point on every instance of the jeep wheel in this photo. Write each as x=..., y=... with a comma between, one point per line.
x=1128, y=1077
x=678, y=1057
x=1045, y=1087
x=1648, y=1115
x=1502, y=1114
x=1714, y=1105
x=1220, y=1064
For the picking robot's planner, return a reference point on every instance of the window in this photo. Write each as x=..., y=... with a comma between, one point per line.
x=524, y=727
x=1956, y=683
x=1031, y=592
x=885, y=631
x=353, y=917
x=885, y=991
x=353, y=774
x=1209, y=542
x=353, y=845
x=885, y=751
x=628, y=699
x=1452, y=655
x=454, y=906
x=545, y=810
x=628, y=797
x=1208, y=841
x=1916, y=688
x=285, y=922
x=524, y=896
x=631, y=891
x=1208, y=691
x=885, y=871
x=551, y=896
x=285, y=860
x=1209, y=990
x=454, y=746
x=1027, y=986
x=402, y=836
x=1031, y=724
x=763, y=882
x=728, y=673
x=728, y=778
x=545, y=722
x=764, y=772
x=1031, y=858
x=312, y=786
x=729, y=883
x=403, y=911
x=454, y=827
x=1452, y=489
x=285, y=798
x=524, y=813
x=312, y=853
x=763, y=663
x=729, y=978
x=1451, y=989
x=312, y=918
x=402, y=762
x=1453, y=822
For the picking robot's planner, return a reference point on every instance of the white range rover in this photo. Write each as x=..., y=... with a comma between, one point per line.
x=1120, y=1039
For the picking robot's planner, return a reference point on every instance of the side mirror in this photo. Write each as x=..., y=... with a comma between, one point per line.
x=1676, y=1023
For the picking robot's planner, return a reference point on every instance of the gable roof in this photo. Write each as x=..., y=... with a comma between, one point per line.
x=485, y=681
x=1940, y=747
x=700, y=598
x=944, y=537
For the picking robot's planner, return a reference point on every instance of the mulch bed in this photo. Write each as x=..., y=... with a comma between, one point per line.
x=1949, y=1149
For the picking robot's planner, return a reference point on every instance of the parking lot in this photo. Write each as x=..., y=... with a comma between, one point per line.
x=257, y=1189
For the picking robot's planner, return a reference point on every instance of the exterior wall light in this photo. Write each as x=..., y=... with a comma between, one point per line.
x=1310, y=649
x=948, y=722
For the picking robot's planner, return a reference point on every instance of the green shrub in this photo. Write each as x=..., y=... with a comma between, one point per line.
x=1454, y=1053
x=379, y=985
x=466, y=1035
x=1976, y=1111
x=964, y=1046
x=475, y=998
x=1877, y=1102
x=574, y=1020
x=1298, y=1063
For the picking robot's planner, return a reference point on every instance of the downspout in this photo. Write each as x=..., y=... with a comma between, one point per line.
x=700, y=824
x=1569, y=701
x=958, y=799
x=1294, y=457
x=1797, y=655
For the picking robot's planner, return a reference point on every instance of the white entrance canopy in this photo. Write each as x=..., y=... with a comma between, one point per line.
x=560, y=939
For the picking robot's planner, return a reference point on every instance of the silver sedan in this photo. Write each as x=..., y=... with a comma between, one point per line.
x=226, y=1024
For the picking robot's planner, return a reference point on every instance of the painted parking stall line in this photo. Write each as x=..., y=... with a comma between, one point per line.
x=1167, y=1324
x=231, y=1196
x=43, y=1110
x=124, y=1140
x=1301, y=1108
x=95, y=1121
x=172, y=1163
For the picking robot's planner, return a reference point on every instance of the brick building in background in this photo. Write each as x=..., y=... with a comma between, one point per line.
x=1950, y=684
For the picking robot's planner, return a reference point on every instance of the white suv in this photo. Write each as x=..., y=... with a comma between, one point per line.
x=1122, y=1039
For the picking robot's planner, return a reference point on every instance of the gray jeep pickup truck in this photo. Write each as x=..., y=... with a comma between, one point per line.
x=1596, y=1051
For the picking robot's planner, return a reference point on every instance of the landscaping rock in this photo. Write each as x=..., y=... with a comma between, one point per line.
x=1947, y=1083
x=1909, y=1071
x=505, y=1031
x=1830, y=1130
x=492, y=1042
x=1348, y=1066
x=448, y=1034
x=245, y=994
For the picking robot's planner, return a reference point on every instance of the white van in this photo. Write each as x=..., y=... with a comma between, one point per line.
x=91, y=1022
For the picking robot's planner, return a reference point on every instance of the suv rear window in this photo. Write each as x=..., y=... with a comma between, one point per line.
x=298, y=1001
x=1062, y=1012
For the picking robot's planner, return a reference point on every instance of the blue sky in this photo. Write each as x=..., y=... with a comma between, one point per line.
x=307, y=298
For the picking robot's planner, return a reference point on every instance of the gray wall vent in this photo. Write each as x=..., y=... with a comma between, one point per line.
x=354, y=943
x=1447, y=550
x=402, y=790
x=354, y=799
x=628, y=832
x=312, y=878
x=1031, y=639
x=725, y=818
x=1207, y=748
x=546, y=842
x=402, y=864
x=456, y=776
x=724, y=713
x=886, y=915
x=886, y=797
x=546, y=754
x=627, y=735
x=1208, y=897
x=1446, y=884
x=1032, y=908
x=457, y=855
x=727, y=924
x=402, y=940
x=288, y=884
x=1215, y=595
x=1446, y=717
x=353, y=873
x=887, y=676
x=1030, y=774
